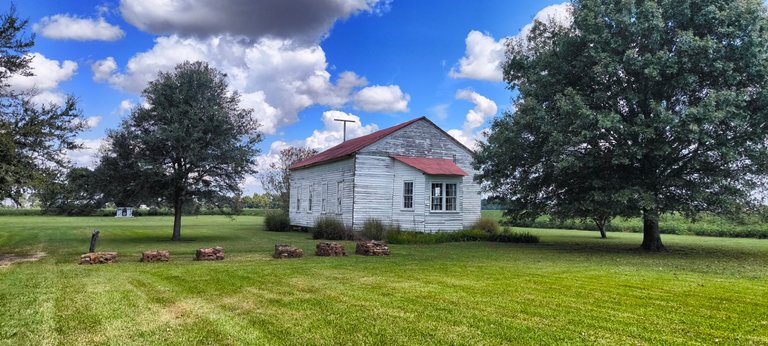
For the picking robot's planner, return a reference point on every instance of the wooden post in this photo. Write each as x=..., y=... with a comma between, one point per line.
x=94, y=238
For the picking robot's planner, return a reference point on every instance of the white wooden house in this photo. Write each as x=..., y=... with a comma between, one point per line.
x=413, y=174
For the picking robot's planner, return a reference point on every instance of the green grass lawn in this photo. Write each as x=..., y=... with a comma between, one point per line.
x=571, y=288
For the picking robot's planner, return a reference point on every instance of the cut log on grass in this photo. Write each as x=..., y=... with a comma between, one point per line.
x=372, y=248
x=329, y=249
x=155, y=256
x=98, y=258
x=287, y=251
x=210, y=254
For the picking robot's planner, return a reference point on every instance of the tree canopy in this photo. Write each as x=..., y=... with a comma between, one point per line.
x=191, y=141
x=33, y=137
x=78, y=193
x=634, y=108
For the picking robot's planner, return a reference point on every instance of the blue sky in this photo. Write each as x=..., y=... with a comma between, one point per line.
x=299, y=64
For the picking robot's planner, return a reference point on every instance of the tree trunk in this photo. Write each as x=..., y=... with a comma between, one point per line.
x=177, y=204
x=651, y=234
x=600, y=227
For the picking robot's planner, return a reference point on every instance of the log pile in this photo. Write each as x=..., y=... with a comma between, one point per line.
x=287, y=251
x=210, y=254
x=372, y=248
x=155, y=256
x=329, y=249
x=98, y=258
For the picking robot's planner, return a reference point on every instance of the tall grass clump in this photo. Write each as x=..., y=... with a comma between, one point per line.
x=331, y=228
x=277, y=221
x=487, y=224
x=510, y=236
x=373, y=229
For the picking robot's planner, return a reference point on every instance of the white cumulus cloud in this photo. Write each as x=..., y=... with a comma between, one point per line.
x=103, y=69
x=47, y=75
x=275, y=78
x=484, y=55
x=125, y=107
x=476, y=117
x=67, y=27
x=482, y=59
x=88, y=156
x=385, y=99
x=92, y=122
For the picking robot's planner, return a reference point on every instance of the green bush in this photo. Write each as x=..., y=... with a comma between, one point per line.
x=374, y=229
x=397, y=236
x=277, y=221
x=487, y=224
x=331, y=228
x=20, y=211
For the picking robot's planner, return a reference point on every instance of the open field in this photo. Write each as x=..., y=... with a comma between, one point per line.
x=572, y=288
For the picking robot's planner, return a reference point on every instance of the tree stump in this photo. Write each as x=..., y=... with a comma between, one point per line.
x=210, y=254
x=287, y=251
x=94, y=238
x=155, y=256
x=98, y=258
x=372, y=248
x=329, y=249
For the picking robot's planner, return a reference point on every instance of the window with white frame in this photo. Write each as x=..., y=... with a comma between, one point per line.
x=408, y=195
x=339, y=193
x=298, y=198
x=324, y=195
x=309, y=201
x=443, y=197
x=450, y=197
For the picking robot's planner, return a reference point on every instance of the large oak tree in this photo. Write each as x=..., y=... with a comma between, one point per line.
x=191, y=140
x=634, y=108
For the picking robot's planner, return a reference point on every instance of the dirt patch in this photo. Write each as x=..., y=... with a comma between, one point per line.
x=7, y=260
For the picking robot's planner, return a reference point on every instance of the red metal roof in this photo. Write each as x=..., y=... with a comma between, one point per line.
x=351, y=146
x=432, y=166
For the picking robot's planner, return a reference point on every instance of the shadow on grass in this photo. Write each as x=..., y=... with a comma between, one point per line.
x=700, y=251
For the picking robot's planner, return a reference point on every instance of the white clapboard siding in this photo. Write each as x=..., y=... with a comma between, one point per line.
x=408, y=219
x=373, y=189
x=316, y=177
x=425, y=140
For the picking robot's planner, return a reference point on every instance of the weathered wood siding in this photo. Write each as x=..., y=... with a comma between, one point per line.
x=424, y=140
x=315, y=178
x=409, y=219
x=373, y=189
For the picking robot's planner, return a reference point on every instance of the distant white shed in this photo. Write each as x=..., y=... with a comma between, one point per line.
x=124, y=212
